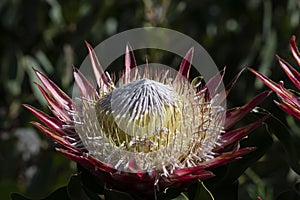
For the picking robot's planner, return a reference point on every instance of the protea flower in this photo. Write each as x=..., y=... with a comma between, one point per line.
x=289, y=99
x=153, y=130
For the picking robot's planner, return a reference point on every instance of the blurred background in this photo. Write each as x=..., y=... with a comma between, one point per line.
x=49, y=35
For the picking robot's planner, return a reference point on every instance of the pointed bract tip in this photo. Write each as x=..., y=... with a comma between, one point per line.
x=100, y=76
x=293, y=38
x=128, y=47
x=27, y=106
x=130, y=61
x=189, y=55
x=37, y=72
x=186, y=64
x=253, y=71
x=34, y=69
x=88, y=45
x=294, y=49
x=192, y=49
x=75, y=69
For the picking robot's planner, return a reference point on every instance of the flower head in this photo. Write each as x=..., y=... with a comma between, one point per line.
x=289, y=100
x=152, y=127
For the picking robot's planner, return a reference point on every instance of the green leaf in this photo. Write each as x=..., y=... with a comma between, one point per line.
x=182, y=196
x=288, y=195
x=16, y=196
x=6, y=187
x=43, y=59
x=200, y=191
x=87, y=184
x=75, y=190
x=225, y=184
x=60, y=193
x=228, y=174
x=170, y=193
x=293, y=194
x=289, y=141
x=90, y=182
x=28, y=62
x=114, y=194
x=55, y=13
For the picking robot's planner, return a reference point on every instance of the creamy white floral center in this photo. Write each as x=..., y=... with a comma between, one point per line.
x=158, y=124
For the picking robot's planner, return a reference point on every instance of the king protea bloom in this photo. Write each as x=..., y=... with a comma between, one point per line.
x=289, y=99
x=151, y=129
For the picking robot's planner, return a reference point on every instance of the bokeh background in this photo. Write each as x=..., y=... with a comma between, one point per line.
x=49, y=35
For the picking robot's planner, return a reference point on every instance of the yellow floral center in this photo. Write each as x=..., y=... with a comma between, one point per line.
x=141, y=116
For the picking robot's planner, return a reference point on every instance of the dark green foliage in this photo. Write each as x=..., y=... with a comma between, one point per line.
x=78, y=189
